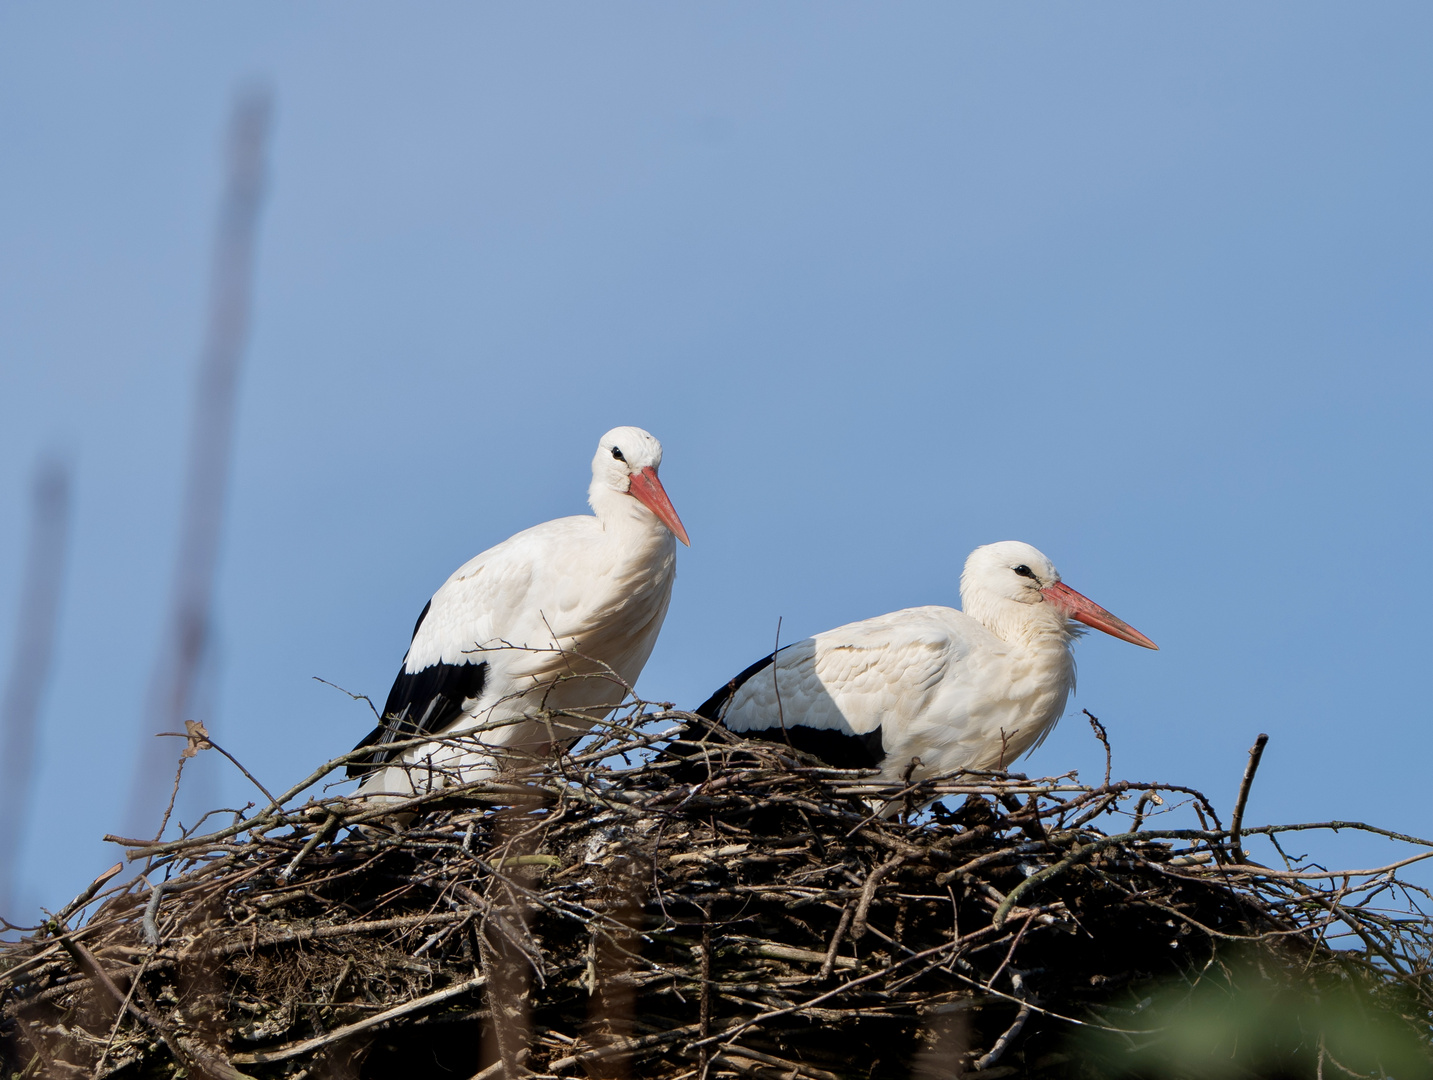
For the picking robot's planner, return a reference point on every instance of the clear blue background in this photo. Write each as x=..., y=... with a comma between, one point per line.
x=1145, y=285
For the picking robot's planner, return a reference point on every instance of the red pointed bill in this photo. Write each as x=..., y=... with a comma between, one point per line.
x=648, y=490
x=1090, y=613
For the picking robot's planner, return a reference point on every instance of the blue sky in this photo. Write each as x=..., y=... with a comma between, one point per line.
x=1144, y=285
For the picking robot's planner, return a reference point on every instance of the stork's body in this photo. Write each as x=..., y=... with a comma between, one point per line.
x=557, y=619
x=946, y=689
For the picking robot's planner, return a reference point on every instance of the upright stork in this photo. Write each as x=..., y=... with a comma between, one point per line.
x=530, y=643
x=940, y=688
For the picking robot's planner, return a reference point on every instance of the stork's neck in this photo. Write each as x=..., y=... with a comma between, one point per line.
x=1041, y=628
x=626, y=521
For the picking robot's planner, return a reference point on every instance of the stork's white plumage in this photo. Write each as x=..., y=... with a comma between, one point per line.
x=970, y=689
x=531, y=627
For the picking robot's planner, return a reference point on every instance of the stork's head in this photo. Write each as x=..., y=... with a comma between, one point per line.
x=998, y=578
x=626, y=463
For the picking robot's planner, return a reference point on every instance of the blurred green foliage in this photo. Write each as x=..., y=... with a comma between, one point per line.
x=1253, y=1022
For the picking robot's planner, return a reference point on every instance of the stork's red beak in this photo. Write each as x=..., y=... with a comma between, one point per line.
x=648, y=490
x=1091, y=614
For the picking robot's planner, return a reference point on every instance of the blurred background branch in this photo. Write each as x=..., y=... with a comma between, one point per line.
x=30, y=664
x=189, y=633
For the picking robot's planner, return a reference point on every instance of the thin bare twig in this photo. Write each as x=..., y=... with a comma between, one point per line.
x=1104, y=738
x=1255, y=753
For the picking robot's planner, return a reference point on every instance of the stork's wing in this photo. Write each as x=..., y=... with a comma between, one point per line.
x=501, y=621
x=421, y=703
x=832, y=694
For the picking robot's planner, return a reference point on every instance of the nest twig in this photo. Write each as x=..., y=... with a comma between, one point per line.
x=730, y=910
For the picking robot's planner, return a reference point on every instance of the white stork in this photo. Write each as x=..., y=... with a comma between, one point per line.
x=945, y=689
x=532, y=626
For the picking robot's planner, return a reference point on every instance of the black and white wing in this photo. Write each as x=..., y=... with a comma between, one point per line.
x=846, y=694
x=422, y=702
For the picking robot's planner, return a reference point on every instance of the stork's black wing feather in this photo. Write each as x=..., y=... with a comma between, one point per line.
x=421, y=703
x=713, y=706
x=421, y=616
x=839, y=749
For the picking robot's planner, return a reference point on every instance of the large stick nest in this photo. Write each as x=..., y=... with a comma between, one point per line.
x=731, y=911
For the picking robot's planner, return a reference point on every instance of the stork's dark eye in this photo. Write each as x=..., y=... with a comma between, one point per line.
x=617, y=454
x=1025, y=571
